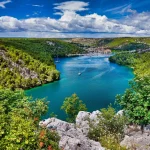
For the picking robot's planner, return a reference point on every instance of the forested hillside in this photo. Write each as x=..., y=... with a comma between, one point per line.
x=140, y=62
x=136, y=100
x=26, y=63
x=19, y=118
x=42, y=49
x=126, y=43
x=123, y=43
x=20, y=70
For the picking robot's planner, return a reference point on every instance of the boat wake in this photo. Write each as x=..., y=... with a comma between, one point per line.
x=102, y=73
x=99, y=75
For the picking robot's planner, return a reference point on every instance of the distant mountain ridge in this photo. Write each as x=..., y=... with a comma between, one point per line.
x=124, y=43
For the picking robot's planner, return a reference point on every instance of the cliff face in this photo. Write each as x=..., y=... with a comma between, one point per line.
x=19, y=70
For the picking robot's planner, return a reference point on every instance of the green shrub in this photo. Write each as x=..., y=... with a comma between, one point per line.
x=72, y=105
x=136, y=101
x=124, y=58
x=19, y=117
x=110, y=128
x=110, y=142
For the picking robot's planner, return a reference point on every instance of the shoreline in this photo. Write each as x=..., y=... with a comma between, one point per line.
x=77, y=55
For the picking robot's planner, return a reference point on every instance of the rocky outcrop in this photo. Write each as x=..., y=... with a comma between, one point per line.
x=74, y=136
x=135, y=139
x=120, y=112
x=83, y=120
x=24, y=71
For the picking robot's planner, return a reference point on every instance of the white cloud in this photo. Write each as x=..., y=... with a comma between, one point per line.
x=37, y=5
x=71, y=6
x=116, y=8
x=122, y=9
x=9, y=24
x=2, y=4
x=140, y=20
x=127, y=9
x=66, y=35
x=58, y=13
x=36, y=13
x=72, y=22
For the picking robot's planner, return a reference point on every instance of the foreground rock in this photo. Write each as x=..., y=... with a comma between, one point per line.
x=74, y=136
x=136, y=140
x=84, y=118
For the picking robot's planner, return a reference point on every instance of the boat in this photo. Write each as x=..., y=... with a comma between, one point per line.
x=79, y=73
x=57, y=61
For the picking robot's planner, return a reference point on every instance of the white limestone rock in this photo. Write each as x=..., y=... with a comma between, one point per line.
x=84, y=118
x=81, y=117
x=94, y=117
x=71, y=137
x=120, y=112
x=44, y=122
x=74, y=136
x=136, y=140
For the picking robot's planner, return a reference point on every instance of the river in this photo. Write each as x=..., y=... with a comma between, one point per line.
x=97, y=85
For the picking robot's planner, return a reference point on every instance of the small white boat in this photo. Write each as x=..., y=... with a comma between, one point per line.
x=57, y=61
x=79, y=73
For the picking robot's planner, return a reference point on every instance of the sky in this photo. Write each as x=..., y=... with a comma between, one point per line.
x=67, y=18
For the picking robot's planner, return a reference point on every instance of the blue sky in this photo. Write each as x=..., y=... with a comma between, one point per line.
x=86, y=18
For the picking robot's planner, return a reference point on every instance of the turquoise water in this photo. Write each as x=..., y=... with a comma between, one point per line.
x=97, y=86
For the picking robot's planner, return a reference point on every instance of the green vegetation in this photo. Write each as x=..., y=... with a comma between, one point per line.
x=142, y=65
x=110, y=129
x=124, y=58
x=136, y=100
x=72, y=105
x=19, y=70
x=123, y=43
x=138, y=61
x=129, y=43
x=19, y=117
x=26, y=63
x=42, y=49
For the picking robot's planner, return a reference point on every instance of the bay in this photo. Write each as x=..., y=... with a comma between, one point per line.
x=97, y=85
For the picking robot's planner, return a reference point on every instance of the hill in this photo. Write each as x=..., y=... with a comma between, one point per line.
x=42, y=49
x=123, y=43
x=26, y=63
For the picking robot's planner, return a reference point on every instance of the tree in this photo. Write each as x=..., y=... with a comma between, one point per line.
x=19, y=117
x=13, y=76
x=72, y=105
x=136, y=101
